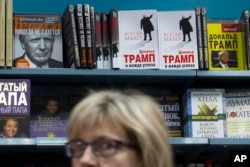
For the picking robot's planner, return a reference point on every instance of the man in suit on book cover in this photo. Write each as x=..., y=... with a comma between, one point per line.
x=147, y=26
x=38, y=51
x=186, y=27
x=11, y=129
x=224, y=62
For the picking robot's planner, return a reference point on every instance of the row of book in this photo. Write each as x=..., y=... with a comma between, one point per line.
x=124, y=39
x=207, y=113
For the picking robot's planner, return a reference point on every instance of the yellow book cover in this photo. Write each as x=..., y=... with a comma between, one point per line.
x=226, y=49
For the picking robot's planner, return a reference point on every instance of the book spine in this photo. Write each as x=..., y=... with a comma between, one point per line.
x=92, y=25
x=2, y=33
x=9, y=33
x=199, y=38
x=88, y=35
x=247, y=38
x=204, y=37
x=98, y=41
x=114, y=38
x=105, y=41
x=73, y=58
x=81, y=35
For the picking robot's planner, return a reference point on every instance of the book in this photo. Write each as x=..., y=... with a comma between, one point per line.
x=93, y=37
x=88, y=32
x=199, y=38
x=49, y=116
x=114, y=38
x=178, y=47
x=9, y=33
x=98, y=41
x=204, y=114
x=71, y=56
x=204, y=37
x=81, y=35
x=237, y=117
x=138, y=39
x=106, y=49
x=244, y=22
x=2, y=34
x=170, y=103
x=37, y=40
x=14, y=108
x=226, y=47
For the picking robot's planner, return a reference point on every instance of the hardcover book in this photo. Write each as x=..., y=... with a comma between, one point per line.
x=170, y=103
x=244, y=22
x=178, y=48
x=71, y=56
x=98, y=41
x=80, y=27
x=9, y=33
x=2, y=34
x=237, y=117
x=204, y=37
x=199, y=38
x=204, y=113
x=138, y=39
x=37, y=40
x=226, y=46
x=49, y=116
x=14, y=107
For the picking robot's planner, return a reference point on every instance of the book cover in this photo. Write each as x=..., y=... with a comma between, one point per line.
x=49, y=116
x=226, y=47
x=71, y=47
x=237, y=115
x=170, y=104
x=98, y=41
x=106, y=49
x=81, y=35
x=199, y=38
x=114, y=38
x=178, y=48
x=9, y=33
x=244, y=22
x=138, y=39
x=204, y=37
x=37, y=40
x=14, y=107
x=204, y=113
x=2, y=33
x=88, y=32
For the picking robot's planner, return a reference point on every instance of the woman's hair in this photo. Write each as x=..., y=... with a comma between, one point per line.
x=138, y=114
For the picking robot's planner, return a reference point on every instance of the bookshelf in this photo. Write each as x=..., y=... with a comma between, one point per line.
x=44, y=78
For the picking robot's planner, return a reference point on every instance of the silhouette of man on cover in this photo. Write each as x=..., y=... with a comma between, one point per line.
x=186, y=27
x=147, y=26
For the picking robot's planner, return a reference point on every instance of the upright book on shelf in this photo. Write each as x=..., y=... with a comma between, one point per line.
x=138, y=39
x=9, y=33
x=80, y=28
x=98, y=41
x=37, y=40
x=204, y=113
x=70, y=40
x=244, y=22
x=14, y=108
x=2, y=34
x=178, y=47
x=226, y=46
x=49, y=116
x=199, y=38
x=204, y=37
x=237, y=104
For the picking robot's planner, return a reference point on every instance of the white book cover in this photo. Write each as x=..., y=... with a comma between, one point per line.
x=178, y=48
x=138, y=39
x=204, y=113
x=238, y=116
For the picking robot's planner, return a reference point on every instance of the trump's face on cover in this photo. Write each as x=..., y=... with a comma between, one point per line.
x=38, y=47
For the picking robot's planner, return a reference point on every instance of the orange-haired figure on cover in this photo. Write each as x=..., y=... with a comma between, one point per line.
x=111, y=128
